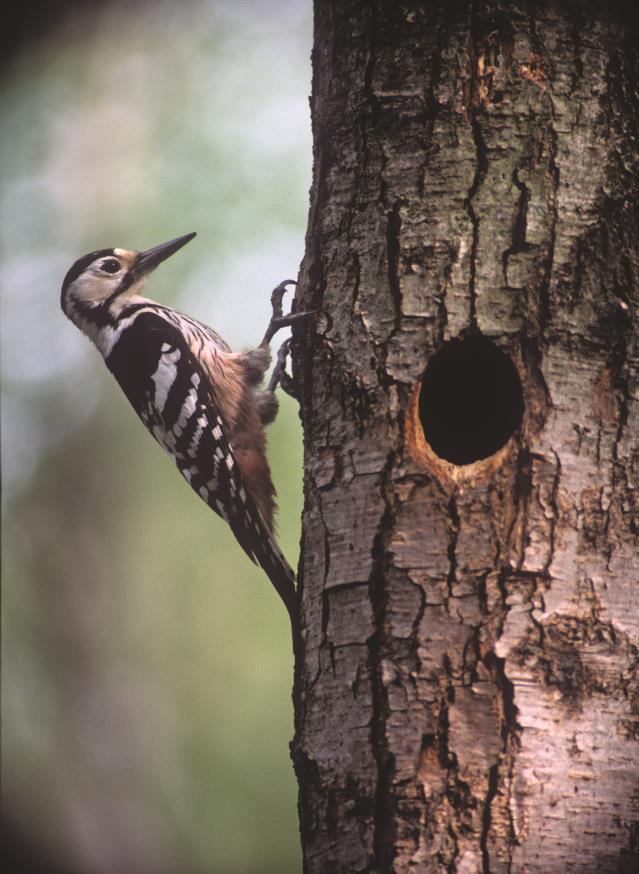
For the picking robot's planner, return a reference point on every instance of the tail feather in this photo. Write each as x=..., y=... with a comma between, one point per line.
x=280, y=574
x=256, y=538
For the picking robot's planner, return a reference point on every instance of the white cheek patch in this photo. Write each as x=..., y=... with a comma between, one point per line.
x=164, y=377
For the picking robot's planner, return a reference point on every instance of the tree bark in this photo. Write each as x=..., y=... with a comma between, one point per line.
x=467, y=696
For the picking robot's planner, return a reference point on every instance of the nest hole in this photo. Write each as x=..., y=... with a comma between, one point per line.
x=471, y=400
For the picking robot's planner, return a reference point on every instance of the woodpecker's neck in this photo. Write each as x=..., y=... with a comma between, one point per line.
x=104, y=322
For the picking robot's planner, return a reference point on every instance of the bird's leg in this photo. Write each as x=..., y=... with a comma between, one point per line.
x=278, y=319
x=280, y=376
x=267, y=404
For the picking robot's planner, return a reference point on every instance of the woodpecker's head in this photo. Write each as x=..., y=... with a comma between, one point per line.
x=98, y=285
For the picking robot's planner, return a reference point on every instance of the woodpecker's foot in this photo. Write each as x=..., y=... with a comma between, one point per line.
x=256, y=362
x=267, y=406
x=278, y=319
x=280, y=376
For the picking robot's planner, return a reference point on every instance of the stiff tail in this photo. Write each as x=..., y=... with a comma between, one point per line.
x=280, y=574
x=257, y=540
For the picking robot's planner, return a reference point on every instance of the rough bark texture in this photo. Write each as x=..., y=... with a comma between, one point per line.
x=467, y=698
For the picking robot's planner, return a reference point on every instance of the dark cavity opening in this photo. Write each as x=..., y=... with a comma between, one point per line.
x=471, y=400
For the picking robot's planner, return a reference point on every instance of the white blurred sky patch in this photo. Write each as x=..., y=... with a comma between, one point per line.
x=240, y=308
x=32, y=352
x=49, y=384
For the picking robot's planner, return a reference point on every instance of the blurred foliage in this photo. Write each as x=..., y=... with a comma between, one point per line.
x=146, y=664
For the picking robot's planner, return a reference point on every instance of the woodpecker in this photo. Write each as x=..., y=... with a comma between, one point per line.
x=200, y=401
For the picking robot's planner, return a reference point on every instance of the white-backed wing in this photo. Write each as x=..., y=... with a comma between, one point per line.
x=167, y=386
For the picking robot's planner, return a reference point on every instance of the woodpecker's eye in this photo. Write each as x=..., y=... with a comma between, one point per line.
x=110, y=266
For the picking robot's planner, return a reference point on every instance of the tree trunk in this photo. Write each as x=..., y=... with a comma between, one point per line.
x=466, y=700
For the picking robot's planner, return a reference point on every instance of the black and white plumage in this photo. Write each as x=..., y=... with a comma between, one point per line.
x=198, y=399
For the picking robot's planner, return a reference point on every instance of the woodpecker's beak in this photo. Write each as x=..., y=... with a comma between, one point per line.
x=149, y=260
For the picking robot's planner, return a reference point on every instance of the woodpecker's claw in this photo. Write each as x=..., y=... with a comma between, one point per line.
x=278, y=319
x=277, y=295
x=280, y=376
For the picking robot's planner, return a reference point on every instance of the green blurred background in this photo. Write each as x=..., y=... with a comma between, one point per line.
x=146, y=664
